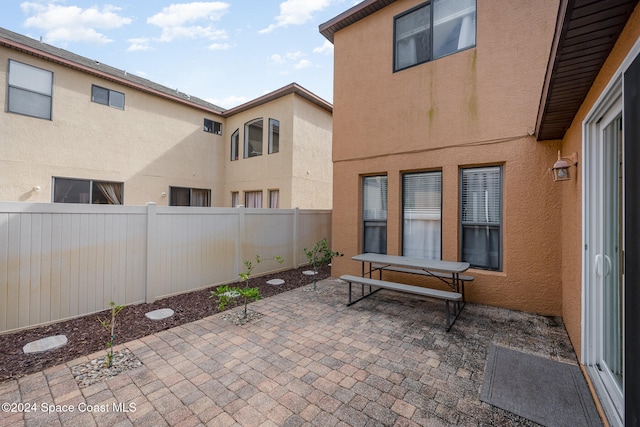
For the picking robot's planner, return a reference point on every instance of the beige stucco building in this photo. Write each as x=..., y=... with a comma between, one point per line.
x=447, y=123
x=74, y=130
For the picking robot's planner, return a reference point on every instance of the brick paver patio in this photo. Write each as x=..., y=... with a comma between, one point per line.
x=310, y=360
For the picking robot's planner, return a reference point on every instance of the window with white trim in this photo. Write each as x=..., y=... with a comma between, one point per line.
x=274, y=199
x=274, y=136
x=30, y=90
x=481, y=217
x=253, y=138
x=374, y=214
x=235, y=144
x=432, y=30
x=108, y=97
x=422, y=215
x=68, y=190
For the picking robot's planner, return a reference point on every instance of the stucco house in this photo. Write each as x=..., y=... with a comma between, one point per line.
x=449, y=117
x=74, y=130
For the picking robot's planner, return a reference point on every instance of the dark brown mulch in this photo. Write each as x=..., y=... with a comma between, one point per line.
x=85, y=334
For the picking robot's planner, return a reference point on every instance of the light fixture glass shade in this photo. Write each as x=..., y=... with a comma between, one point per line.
x=561, y=169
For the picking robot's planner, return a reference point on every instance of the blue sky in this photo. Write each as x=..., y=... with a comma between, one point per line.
x=226, y=52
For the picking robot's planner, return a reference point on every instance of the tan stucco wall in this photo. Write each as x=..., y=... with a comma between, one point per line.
x=151, y=145
x=156, y=143
x=472, y=108
x=572, y=193
x=305, y=146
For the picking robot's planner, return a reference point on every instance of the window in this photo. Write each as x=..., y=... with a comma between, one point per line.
x=212, y=127
x=274, y=136
x=235, y=199
x=422, y=215
x=67, y=190
x=253, y=138
x=481, y=217
x=374, y=214
x=433, y=30
x=274, y=199
x=253, y=199
x=107, y=97
x=30, y=90
x=181, y=196
x=235, y=144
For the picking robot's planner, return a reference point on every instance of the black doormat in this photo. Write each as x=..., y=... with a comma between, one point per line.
x=541, y=390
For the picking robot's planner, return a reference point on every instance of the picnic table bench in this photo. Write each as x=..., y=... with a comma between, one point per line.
x=447, y=271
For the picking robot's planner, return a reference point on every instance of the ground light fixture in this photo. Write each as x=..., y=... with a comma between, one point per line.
x=560, y=168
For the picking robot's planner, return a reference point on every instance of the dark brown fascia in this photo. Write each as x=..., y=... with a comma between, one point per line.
x=351, y=16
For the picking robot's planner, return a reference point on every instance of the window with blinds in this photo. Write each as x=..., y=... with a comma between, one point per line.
x=481, y=217
x=30, y=90
x=422, y=215
x=374, y=214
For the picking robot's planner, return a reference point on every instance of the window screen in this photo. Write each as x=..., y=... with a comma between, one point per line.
x=422, y=215
x=481, y=217
x=253, y=138
x=30, y=90
x=374, y=214
x=235, y=144
x=274, y=136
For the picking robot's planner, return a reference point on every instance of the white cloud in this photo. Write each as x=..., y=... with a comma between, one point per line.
x=219, y=46
x=277, y=59
x=179, y=21
x=141, y=43
x=296, y=12
x=326, y=48
x=73, y=23
x=305, y=63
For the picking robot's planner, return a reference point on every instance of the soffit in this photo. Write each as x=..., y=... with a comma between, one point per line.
x=586, y=31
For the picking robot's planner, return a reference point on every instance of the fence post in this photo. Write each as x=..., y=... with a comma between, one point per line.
x=241, y=236
x=296, y=234
x=152, y=283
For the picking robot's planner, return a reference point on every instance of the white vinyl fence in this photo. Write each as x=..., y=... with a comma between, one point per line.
x=59, y=261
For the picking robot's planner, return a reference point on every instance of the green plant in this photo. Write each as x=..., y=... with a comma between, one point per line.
x=110, y=326
x=319, y=255
x=225, y=293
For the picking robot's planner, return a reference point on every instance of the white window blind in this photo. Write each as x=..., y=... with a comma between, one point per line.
x=422, y=215
x=374, y=214
x=481, y=194
x=30, y=90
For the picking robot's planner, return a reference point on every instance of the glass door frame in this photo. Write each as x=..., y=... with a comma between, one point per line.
x=609, y=392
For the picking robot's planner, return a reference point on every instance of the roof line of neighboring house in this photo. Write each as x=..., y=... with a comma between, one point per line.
x=68, y=59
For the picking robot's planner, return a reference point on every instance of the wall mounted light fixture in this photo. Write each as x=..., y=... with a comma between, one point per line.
x=37, y=188
x=560, y=168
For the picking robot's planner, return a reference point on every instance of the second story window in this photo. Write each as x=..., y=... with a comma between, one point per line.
x=235, y=144
x=108, y=97
x=274, y=136
x=433, y=30
x=253, y=138
x=212, y=127
x=30, y=90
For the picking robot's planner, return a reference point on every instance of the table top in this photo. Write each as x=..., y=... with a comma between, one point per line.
x=402, y=261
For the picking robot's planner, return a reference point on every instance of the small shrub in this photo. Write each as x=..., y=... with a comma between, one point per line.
x=110, y=326
x=319, y=255
x=225, y=293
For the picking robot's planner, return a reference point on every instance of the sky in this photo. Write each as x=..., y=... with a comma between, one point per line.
x=226, y=52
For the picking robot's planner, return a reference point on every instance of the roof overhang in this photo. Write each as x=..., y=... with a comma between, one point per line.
x=585, y=34
x=353, y=15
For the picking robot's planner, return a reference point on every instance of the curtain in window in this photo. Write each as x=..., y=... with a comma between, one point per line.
x=180, y=196
x=253, y=199
x=481, y=217
x=453, y=26
x=422, y=215
x=274, y=199
x=200, y=197
x=111, y=191
x=235, y=199
x=374, y=214
x=61, y=189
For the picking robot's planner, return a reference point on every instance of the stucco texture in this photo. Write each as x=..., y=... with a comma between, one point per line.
x=473, y=108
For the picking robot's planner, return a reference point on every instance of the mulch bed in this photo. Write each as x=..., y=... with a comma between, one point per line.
x=86, y=335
